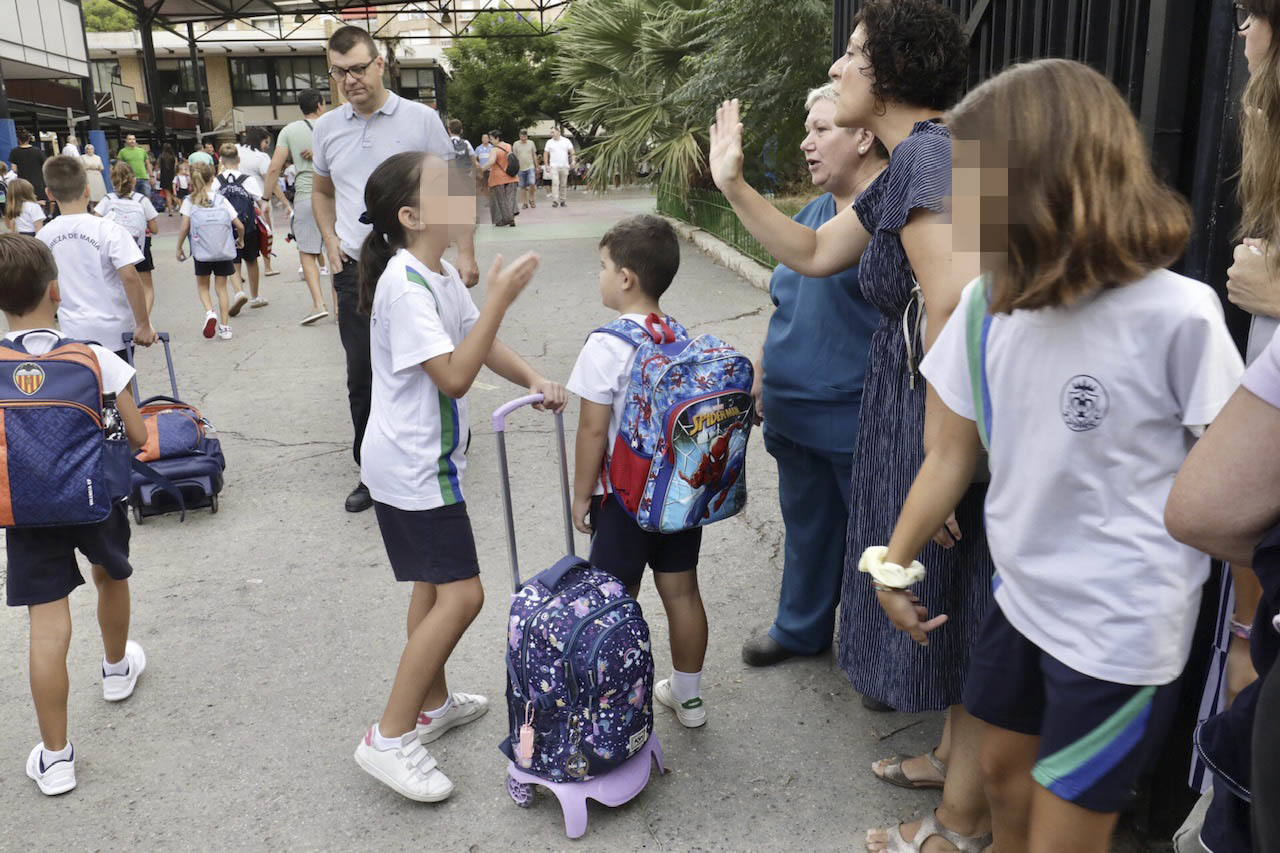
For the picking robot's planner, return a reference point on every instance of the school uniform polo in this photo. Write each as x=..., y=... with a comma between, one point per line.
x=346, y=148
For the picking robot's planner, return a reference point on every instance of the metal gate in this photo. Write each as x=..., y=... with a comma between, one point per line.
x=1178, y=62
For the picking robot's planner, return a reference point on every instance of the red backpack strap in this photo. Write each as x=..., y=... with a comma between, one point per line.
x=659, y=329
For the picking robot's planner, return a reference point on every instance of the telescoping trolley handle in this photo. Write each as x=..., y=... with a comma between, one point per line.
x=163, y=337
x=499, y=427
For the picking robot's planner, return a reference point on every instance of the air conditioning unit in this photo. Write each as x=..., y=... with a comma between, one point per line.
x=193, y=107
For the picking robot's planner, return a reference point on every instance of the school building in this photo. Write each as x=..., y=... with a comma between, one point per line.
x=195, y=70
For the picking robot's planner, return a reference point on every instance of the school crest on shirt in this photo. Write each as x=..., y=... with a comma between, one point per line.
x=1084, y=403
x=28, y=376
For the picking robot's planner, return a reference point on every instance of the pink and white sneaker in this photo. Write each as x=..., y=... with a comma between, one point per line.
x=463, y=708
x=408, y=769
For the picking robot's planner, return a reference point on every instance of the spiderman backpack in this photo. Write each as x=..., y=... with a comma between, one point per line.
x=680, y=456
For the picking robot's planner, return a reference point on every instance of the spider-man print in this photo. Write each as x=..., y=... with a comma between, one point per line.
x=713, y=477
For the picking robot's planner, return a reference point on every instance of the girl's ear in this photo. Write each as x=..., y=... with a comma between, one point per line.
x=409, y=219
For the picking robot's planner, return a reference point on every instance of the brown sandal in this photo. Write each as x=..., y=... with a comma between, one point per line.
x=929, y=827
x=894, y=775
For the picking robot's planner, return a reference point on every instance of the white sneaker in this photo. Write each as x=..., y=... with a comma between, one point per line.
x=324, y=270
x=466, y=707
x=116, y=688
x=238, y=302
x=258, y=302
x=691, y=714
x=210, y=324
x=224, y=332
x=408, y=769
x=58, y=778
x=313, y=317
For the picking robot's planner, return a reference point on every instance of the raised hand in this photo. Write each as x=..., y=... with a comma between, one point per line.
x=726, y=146
x=507, y=283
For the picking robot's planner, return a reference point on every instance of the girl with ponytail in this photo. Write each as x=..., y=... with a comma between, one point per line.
x=427, y=343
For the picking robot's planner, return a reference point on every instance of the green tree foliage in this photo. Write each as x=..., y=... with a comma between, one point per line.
x=103, y=16
x=770, y=59
x=503, y=78
x=626, y=63
x=651, y=73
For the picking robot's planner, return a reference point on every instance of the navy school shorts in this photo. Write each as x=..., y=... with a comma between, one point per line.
x=42, y=560
x=428, y=545
x=620, y=547
x=1097, y=738
x=216, y=268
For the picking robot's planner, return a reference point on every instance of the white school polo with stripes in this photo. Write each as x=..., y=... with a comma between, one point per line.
x=346, y=148
x=414, y=450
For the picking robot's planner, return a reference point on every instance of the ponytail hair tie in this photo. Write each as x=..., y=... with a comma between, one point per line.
x=365, y=219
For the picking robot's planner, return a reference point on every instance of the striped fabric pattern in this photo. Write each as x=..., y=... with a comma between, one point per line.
x=881, y=661
x=1071, y=771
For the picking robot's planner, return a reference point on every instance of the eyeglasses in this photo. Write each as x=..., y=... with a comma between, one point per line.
x=1243, y=17
x=356, y=71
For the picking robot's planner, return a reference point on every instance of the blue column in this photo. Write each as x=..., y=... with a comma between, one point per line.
x=8, y=137
x=98, y=139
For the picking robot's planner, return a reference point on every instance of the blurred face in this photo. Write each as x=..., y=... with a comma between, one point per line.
x=208, y=148
x=1257, y=41
x=980, y=209
x=555, y=133
x=484, y=139
x=444, y=202
x=131, y=140
x=88, y=149
x=610, y=281
x=828, y=150
x=524, y=137
x=852, y=76
x=359, y=75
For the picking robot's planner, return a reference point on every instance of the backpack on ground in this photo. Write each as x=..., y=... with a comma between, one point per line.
x=213, y=237
x=679, y=460
x=580, y=674
x=233, y=191
x=512, y=168
x=65, y=453
x=129, y=215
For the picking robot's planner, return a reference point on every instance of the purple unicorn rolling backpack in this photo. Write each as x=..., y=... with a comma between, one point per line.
x=580, y=674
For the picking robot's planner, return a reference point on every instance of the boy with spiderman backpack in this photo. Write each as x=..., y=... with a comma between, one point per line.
x=66, y=471
x=661, y=443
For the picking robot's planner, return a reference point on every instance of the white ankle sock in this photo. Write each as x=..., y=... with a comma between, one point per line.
x=120, y=667
x=383, y=743
x=686, y=685
x=442, y=710
x=48, y=756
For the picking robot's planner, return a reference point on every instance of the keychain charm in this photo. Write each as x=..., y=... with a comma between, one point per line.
x=524, y=755
x=576, y=765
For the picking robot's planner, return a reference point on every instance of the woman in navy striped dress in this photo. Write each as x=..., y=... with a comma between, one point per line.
x=906, y=64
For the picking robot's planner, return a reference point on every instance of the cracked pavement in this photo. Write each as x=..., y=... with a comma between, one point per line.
x=273, y=628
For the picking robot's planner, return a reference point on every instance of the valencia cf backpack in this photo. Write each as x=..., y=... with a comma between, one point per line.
x=679, y=460
x=64, y=454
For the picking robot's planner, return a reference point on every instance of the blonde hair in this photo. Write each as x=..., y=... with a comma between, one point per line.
x=1259, y=188
x=122, y=178
x=228, y=153
x=201, y=180
x=20, y=192
x=1085, y=210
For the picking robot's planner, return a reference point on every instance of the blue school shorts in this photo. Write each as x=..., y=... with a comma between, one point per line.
x=1097, y=738
x=428, y=545
x=620, y=547
x=42, y=563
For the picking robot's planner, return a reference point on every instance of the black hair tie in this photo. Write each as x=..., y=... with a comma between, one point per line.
x=365, y=219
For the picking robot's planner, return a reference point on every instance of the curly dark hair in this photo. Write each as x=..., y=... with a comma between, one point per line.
x=918, y=51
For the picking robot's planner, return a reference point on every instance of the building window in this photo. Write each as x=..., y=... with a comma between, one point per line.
x=177, y=86
x=104, y=73
x=418, y=84
x=251, y=82
x=296, y=74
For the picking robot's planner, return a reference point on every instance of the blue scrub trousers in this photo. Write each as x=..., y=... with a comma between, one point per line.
x=814, y=493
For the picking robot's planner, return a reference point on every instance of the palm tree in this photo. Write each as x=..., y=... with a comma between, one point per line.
x=625, y=63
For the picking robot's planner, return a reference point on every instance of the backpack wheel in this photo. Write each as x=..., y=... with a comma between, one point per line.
x=137, y=514
x=521, y=794
x=213, y=504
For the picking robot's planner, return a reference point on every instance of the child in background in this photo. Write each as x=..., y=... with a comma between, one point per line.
x=41, y=561
x=1087, y=369
x=182, y=182
x=216, y=233
x=21, y=212
x=102, y=296
x=135, y=214
x=428, y=342
x=639, y=258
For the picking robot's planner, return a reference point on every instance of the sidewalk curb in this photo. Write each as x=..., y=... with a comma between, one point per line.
x=756, y=274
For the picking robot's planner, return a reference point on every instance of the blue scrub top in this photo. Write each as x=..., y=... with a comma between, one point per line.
x=815, y=354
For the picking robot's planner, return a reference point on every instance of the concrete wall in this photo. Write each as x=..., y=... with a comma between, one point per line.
x=218, y=73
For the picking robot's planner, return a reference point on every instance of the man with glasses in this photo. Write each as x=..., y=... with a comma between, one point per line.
x=349, y=142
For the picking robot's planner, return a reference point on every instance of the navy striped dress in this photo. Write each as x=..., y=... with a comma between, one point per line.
x=881, y=661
